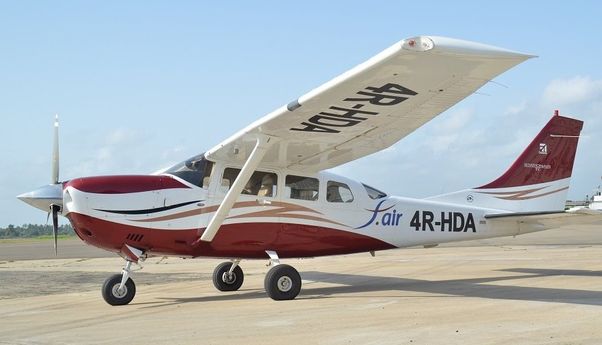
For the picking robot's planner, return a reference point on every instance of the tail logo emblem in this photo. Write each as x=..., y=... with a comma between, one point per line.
x=543, y=149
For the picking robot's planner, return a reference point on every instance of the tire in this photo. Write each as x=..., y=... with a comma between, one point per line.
x=222, y=282
x=282, y=283
x=112, y=296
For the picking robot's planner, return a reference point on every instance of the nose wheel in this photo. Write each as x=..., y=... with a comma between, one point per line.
x=228, y=276
x=119, y=289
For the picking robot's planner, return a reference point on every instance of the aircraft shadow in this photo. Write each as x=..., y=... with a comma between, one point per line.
x=473, y=287
x=219, y=296
x=555, y=272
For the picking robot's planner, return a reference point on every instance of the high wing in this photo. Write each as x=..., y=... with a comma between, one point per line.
x=371, y=106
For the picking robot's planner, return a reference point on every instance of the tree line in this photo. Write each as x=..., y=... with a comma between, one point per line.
x=34, y=230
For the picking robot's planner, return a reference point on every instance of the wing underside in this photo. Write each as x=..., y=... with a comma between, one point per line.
x=371, y=106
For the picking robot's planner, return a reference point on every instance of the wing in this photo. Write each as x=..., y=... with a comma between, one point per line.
x=371, y=106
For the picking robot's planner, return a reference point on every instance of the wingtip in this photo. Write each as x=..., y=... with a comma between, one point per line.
x=459, y=46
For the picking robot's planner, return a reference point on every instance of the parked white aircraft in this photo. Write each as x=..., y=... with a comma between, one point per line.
x=263, y=193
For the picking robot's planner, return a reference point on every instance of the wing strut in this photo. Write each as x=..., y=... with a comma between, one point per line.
x=261, y=146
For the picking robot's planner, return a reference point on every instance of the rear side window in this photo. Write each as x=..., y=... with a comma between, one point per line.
x=302, y=188
x=338, y=192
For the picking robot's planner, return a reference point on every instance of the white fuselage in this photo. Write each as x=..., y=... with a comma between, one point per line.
x=346, y=219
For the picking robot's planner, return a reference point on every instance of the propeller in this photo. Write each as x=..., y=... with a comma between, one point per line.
x=49, y=198
x=55, y=151
x=54, y=208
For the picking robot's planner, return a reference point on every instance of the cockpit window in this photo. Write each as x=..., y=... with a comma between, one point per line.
x=374, y=193
x=196, y=170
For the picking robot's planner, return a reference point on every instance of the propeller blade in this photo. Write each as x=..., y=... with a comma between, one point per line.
x=55, y=152
x=55, y=225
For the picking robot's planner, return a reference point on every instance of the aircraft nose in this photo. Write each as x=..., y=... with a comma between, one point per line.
x=44, y=196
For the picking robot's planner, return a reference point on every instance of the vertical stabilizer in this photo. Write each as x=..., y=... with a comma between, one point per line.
x=538, y=180
x=548, y=158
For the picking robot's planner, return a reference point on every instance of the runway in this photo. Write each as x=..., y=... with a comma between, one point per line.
x=542, y=288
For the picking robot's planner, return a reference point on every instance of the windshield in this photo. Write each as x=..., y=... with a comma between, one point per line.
x=196, y=170
x=374, y=193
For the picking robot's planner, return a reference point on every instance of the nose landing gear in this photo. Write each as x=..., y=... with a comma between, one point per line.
x=228, y=276
x=119, y=289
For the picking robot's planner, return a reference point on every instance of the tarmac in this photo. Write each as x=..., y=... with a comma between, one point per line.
x=541, y=288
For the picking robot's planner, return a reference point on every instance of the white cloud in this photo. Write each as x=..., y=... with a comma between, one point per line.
x=517, y=108
x=120, y=136
x=455, y=120
x=571, y=91
x=123, y=150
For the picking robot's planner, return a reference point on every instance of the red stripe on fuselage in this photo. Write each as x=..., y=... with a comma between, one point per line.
x=120, y=184
x=243, y=240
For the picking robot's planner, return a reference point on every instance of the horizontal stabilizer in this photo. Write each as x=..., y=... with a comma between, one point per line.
x=537, y=221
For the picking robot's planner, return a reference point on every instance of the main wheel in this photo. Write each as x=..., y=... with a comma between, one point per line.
x=114, y=296
x=225, y=281
x=282, y=282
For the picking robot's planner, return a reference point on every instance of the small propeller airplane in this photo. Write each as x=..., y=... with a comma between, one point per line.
x=263, y=193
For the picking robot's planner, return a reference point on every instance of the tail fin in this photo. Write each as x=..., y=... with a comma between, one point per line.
x=548, y=158
x=538, y=181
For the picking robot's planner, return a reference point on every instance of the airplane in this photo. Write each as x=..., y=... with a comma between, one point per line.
x=265, y=192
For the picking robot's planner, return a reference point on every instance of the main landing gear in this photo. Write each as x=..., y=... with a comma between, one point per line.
x=282, y=282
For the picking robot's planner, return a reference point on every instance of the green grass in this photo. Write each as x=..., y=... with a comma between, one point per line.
x=36, y=238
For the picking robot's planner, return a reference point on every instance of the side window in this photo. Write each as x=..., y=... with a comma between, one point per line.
x=228, y=179
x=302, y=188
x=261, y=183
x=338, y=192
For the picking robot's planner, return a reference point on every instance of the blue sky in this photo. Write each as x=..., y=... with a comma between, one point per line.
x=139, y=85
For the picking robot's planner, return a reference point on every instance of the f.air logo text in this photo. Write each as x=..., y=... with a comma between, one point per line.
x=382, y=217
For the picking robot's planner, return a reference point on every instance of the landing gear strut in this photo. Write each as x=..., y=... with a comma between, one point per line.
x=119, y=289
x=228, y=276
